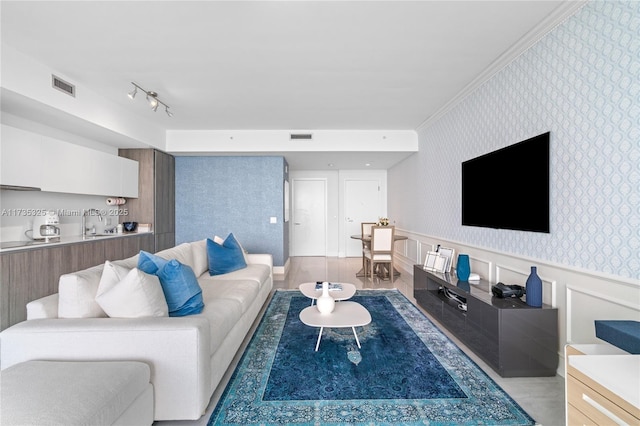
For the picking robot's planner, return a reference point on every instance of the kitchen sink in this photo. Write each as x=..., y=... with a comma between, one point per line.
x=93, y=236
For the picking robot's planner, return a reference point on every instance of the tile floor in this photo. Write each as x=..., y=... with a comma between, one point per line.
x=541, y=397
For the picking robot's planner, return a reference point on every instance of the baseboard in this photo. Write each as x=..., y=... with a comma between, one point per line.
x=280, y=272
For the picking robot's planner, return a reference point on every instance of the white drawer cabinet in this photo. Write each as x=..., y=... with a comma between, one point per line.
x=602, y=386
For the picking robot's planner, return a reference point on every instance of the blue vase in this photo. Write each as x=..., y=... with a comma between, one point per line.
x=534, y=289
x=463, y=269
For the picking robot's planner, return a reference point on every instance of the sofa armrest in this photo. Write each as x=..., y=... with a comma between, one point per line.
x=260, y=258
x=45, y=307
x=176, y=349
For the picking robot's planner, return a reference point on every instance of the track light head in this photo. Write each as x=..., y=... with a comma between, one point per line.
x=152, y=98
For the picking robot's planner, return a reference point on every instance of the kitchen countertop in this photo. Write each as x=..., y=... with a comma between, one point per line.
x=11, y=246
x=618, y=373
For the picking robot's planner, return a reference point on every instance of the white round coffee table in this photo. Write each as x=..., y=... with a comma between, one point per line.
x=314, y=290
x=345, y=314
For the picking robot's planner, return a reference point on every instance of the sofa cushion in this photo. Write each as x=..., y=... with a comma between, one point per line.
x=182, y=253
x=242, y=291
x=254, y=271
x=129, y=262
x=226, y=301
x=222, y=315
x=181, y=289
x=226, y=257
x=137, y=295
x=77, y=294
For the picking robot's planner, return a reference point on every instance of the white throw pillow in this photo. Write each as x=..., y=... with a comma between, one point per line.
x=77, y=294
x=112, y=274
x=137, y=295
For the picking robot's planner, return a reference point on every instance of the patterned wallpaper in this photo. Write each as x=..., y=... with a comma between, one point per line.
x=581, y=82
x=219, y=195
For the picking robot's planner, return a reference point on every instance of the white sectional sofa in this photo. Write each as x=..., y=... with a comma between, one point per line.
x=188, y=355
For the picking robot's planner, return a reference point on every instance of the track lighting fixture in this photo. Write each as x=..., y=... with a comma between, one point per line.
x=152, y=98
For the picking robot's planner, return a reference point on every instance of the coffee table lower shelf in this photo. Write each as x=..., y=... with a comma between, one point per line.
x=345, y=314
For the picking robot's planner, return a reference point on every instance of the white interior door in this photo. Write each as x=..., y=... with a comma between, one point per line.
x=362, y=204
x=308, y=234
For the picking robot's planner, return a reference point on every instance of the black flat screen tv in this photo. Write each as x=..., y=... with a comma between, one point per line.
x=508, y=188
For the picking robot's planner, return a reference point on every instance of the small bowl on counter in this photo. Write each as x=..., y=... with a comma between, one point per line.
x=129, y=226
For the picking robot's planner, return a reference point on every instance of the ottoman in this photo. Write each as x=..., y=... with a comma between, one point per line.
x=76, y=393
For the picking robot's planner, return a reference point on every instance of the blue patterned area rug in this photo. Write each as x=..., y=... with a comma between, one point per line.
x=406, y=372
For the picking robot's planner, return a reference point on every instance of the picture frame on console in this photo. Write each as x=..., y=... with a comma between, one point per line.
x=434, y=262
x=448, y=254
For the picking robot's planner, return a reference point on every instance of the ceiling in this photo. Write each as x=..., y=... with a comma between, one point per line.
x=265, y=65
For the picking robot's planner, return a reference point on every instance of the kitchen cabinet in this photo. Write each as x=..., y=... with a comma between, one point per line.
x=156, y=198
x=601, y=385
x=20, y=158
x=515, y=339
x=30, y=160
x=86, y=171
x=30, y=274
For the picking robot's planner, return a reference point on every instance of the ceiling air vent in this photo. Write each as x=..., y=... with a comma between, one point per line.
x=63, y=86
x=301, y=136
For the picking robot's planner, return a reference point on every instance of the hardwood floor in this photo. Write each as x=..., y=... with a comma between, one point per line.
x=541, y=397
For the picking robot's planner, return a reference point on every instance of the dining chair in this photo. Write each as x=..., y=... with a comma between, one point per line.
x=380, y=249
x=365, y=229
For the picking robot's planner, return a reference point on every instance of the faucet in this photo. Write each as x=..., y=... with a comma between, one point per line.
x=84, y=219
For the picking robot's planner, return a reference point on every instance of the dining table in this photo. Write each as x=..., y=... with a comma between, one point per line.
x=366, y=239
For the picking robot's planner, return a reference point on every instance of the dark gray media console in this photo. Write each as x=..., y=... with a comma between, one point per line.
x=515, y=339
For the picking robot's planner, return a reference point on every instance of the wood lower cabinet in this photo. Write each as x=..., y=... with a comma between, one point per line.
x=30, y=274
x=516, y=340
x=601, y=386
x=156, y=196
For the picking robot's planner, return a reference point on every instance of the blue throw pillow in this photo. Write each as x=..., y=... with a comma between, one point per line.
x=225, y=257
x=181, y=289
x=179, y=283
x=150, y=263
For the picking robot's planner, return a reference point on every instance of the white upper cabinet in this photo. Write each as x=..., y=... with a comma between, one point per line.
x=19, y=157
x=32, y=160
x=128, y=178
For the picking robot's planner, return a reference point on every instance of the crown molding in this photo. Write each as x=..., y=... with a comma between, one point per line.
x=555, y=18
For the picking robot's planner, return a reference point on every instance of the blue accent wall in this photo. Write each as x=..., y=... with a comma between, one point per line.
x=219, y=195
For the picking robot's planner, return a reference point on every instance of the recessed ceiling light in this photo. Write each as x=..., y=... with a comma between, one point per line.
x=367, y=164
x=330, y=164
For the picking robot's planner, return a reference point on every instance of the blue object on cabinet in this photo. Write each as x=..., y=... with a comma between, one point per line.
x=624, y=334
x=534, y=289
x=463, y=268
